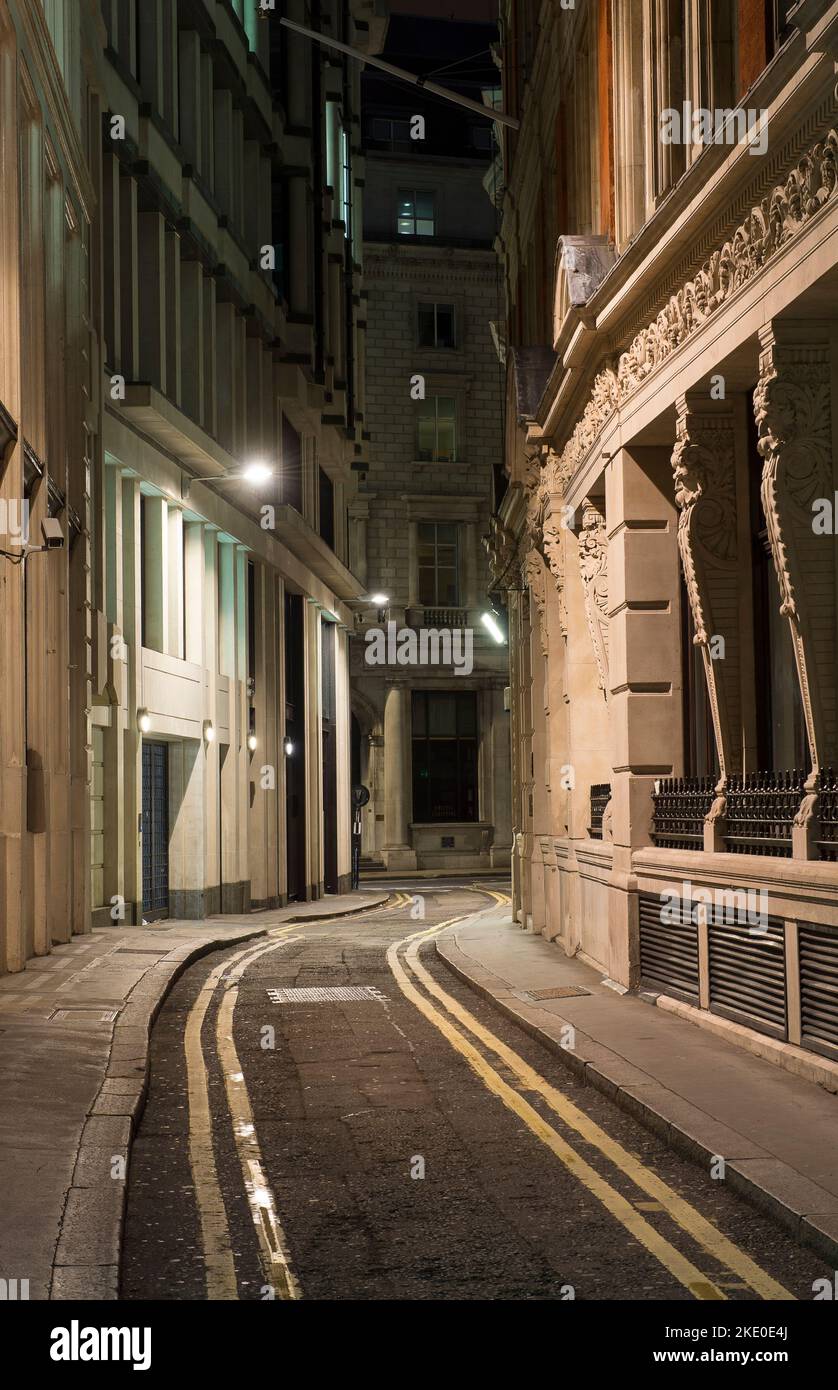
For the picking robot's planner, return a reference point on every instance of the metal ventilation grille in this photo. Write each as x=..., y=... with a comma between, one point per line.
x=748, y=975
x=818, y=950
x=326, y=994
x=668, y=951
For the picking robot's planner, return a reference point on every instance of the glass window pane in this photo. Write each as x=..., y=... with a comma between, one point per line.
x=405, y=227
x=467, y=713
x=424, y=227
x=447, y=588
x=406, y=205
x=444, y=325
x=426, y=326
x=426, y=439
x=442, y=715
x=446, y=533
x=445, y=441
x=419, y=707
x=425, y=205
x=427, y=586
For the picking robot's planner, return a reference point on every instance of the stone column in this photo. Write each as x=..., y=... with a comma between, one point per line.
x=645, y=698
x=793, y=409
x=397, y=852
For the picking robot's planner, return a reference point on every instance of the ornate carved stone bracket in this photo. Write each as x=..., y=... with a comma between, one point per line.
x=593, y=566
x=535, y=576
x=793, y=410
x=704, y=470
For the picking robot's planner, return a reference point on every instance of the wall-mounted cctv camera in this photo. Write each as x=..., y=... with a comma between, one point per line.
x=51, y=533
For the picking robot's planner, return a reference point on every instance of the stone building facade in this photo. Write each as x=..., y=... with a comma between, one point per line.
x=667, y=542
x=50, y=442
x=433, y=740
x=181, y=251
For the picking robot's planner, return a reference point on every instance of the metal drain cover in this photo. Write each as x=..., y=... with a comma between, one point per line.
x=561, y=992
x=83, y=1015
x=323, y=994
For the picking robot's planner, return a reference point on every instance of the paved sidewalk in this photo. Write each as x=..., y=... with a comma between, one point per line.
x=777, y=1132
x=75, y=1029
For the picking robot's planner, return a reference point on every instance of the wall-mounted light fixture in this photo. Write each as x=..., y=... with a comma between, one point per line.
x=209, y=731
x=252, y=742
x=143, y=721
x=288, y=746
x=255, y=472
x=492, y=625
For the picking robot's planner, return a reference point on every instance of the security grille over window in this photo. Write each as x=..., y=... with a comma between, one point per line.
x=748, y=974
x=828, y=814
x=669, y=950
x=818, y=955
x=761, y=807
x=680, y=805
x=600, y=796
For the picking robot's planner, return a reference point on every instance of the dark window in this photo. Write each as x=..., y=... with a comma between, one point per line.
x=437, y=326
x=327, y=508
x=438, y=561
x=292, y=466
x=390, y=131
x=416, y=213
x=444, y=755
x=251, y=619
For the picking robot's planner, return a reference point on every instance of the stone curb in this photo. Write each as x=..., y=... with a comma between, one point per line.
x=89, y=1248
x=807, y=1210
x=87, y=1256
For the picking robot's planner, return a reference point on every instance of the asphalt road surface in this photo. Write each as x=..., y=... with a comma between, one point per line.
x=389, y=1135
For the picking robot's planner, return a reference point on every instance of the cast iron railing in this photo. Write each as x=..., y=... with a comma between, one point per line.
x=828, y=814
x=680, y=805
x=600, y=796
x=761, y=807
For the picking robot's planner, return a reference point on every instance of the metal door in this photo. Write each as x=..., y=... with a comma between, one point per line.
x=155, y=831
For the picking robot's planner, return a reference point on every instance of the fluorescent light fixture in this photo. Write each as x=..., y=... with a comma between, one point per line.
x=143, y=721
x=492, y=625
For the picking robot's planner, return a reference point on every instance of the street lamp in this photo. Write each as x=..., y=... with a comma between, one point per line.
x=492, y=625
x=255, y=472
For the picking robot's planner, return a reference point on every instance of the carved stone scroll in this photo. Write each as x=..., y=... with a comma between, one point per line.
x=793, y=410
x=593, y=566
x=704, y=468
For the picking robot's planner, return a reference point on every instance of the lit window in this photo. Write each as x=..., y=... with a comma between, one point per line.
x=437, y=440
x=416, y=213
x=437, y=326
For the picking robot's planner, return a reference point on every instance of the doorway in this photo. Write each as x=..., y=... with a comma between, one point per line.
x=155, y=831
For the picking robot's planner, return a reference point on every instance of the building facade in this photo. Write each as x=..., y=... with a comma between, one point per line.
x=50, y=442
x=230, y=193
x=667, y=542
x=181, y=390
x=431, y=730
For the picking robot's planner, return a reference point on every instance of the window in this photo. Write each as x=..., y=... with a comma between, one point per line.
x=438, y=562
x=327, y=508
x=416, y=213
x=437, y=326
x=395, y=134
x=292, y=466
x=437, y=433
x=444, y=755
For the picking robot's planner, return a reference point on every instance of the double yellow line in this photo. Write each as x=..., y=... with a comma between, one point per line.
x=215, y=1232
x=705, y=1235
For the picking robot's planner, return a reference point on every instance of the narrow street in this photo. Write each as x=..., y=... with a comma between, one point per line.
x=387, y=1134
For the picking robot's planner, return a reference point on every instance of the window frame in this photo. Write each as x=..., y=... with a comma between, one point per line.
x=411, y=195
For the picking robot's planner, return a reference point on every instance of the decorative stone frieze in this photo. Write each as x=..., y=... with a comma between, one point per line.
x=593, y=566
x=535, y=576
x=704, y=470
x=769, y=225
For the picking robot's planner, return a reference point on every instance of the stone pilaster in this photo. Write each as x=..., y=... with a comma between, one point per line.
x=397, y=852
x=593, y=566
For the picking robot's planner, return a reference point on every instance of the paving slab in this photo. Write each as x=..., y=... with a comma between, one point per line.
x=73, y=1082
x=776, y=1129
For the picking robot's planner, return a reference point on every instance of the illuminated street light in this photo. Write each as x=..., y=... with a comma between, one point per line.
x=256, y=472
x=492, y=625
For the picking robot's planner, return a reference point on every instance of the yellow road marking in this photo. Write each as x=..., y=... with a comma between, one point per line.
x=212, y=1214
x=678, y=1265
x=272, y=1243
x=687, y=1217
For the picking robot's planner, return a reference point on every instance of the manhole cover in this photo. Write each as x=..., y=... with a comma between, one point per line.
x=323, y=994
x=83, y=1015
x=561, y=992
